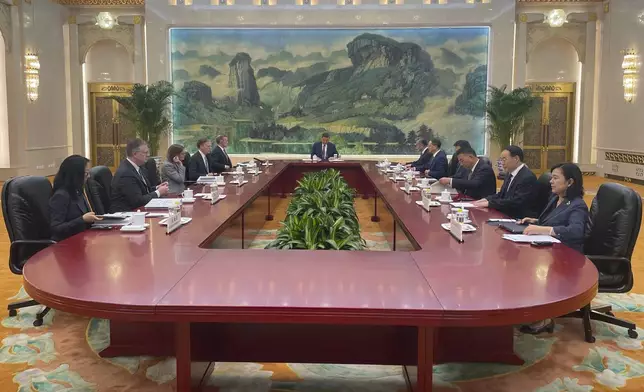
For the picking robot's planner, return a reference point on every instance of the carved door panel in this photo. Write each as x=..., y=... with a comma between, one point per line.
x=109, y=131
x=549, y=127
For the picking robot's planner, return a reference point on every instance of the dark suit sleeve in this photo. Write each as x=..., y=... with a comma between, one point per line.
x=193, y=174
x=477, y=181
x=334, y=150
x=217, y=161
x=522, y=198
x=438, y=169
x=59, y=205
x=313, y=150
x=131, y=191
x=573, y=231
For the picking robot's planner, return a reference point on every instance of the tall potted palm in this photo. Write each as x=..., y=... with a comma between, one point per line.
x=506, y=113
x=147, y=110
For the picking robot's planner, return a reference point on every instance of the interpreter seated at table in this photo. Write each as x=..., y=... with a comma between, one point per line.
x=564, y=217
x=219, y=159
x=437, y=166
x=323, y=149
x=130, y=185
x=173, y=172
x=518, y=193
x=478, y=180
x=72, y=209
x=200, y=162
x=422, y=145
x=455, y=170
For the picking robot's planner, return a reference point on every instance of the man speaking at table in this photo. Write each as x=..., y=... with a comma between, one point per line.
x=477, y=181
x=437, y=165
x=130, y=185
x=518, y=193
x=323, y=149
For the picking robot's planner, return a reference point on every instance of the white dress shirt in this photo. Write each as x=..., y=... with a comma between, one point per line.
x=205, y=161
x=138, y=170
x=514, y=174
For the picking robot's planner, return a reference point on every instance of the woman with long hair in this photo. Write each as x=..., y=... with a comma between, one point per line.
x=173, y=170
x=71, y=210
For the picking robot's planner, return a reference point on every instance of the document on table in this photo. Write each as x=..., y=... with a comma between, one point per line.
x=162, y=203
x=530, y=238
x=462, y=205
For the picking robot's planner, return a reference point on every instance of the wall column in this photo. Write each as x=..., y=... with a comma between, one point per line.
x=587, y=98
x=139, y=51
x=74, y=76
x=520, y=51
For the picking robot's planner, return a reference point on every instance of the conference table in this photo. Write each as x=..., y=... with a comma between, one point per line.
x=433, y=301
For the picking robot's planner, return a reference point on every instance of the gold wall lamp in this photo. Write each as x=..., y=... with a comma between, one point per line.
x=631, y=71
x=32, y=76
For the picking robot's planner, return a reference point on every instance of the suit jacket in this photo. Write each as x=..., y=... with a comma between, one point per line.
x=129, y=192
x=175, y=175
x=517, y=199
x=480, y=184
x=317, y=150
x=568, y=221
x=422, y=160
x=437, y=166
x=197, y=167
x=454, y=166
x=219, y=160
x=66, y=213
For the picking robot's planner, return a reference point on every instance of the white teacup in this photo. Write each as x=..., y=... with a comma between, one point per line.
x=219, y=179
x=424, y=181
x=240, y=169
x=188, y=194
x=446, y=195
x=138, y=219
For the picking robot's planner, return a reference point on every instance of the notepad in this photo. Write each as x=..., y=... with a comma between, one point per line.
x=162, y=203
x=530, y=238
x=462, y=205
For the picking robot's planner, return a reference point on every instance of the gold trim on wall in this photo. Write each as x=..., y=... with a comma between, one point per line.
x=622, y=157
x=110, y=88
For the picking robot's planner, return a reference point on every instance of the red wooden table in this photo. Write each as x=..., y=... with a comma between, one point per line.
x=444, y=302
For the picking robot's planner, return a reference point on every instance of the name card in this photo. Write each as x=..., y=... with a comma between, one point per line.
x=174, y=220
x=456, y=230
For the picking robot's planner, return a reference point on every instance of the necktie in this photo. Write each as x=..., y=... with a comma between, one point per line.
x=324, y=151
x=227, y=157
x=205, y=164
x=469, y=176
x=506, y=185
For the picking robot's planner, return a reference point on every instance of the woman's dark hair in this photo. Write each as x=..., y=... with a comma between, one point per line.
x=173, y=151
x=462, y=144
x=572, y=172
x=71, y=175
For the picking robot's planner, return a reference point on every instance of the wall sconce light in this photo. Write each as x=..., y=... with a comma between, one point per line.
x=105, y=20
x=556, y=17
x=32, y=76
x=631, y=70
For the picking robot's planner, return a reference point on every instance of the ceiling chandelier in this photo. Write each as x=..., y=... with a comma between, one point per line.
x=556, y=17
x=105, y=20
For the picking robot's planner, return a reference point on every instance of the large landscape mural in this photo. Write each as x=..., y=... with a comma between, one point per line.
x=376, y=91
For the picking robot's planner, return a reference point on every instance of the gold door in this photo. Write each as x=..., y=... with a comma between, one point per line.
x=109, y=131
x=547, y=138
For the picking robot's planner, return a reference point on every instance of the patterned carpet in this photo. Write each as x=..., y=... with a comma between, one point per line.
x=62, y=354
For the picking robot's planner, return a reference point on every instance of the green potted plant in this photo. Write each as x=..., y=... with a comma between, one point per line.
x=506, y=113
x=147, y=110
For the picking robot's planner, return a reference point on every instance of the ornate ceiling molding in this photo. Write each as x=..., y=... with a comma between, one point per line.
x=103, y=3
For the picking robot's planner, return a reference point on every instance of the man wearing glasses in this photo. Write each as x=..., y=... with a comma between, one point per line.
x=130, y=185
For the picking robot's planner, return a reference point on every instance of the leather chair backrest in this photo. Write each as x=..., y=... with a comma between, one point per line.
x=186, y=162
x=544, y=191
x=153, y=173
x=25, y=206
x=614, y=224
x=103, y=176
x=485, y=160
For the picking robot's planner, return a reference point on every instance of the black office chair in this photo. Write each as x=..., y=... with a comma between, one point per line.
x=152, y=172
x=485, y=160
x=544, y=191
x=611, y=233
x=25, y=206
x=103, y=176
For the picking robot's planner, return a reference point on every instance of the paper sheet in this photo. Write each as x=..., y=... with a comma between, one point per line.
x=530, y=238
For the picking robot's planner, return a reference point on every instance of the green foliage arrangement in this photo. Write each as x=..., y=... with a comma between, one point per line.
x=320, y=216
x=147, y=110
x=506, y=112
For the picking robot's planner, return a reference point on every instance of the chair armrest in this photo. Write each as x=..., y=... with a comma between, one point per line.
x=21, y=250
x=607, y=259
x=610, y=264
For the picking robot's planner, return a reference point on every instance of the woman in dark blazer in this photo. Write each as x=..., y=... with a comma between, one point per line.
x=71, y=209
x=173, y=171
x=564, y=218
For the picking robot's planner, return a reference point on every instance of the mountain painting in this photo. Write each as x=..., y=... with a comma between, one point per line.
x=375, y=91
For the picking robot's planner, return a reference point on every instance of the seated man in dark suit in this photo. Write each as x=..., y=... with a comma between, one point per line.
x=130, y=189
x=517, y=195
x=200, y=162
x=455, y=169
x=324, y=149
x=425, y=155
x=219, y=159
x=478, y=181
x=437, y=166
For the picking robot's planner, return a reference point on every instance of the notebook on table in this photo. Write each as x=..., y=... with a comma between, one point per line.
x=514, y=228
